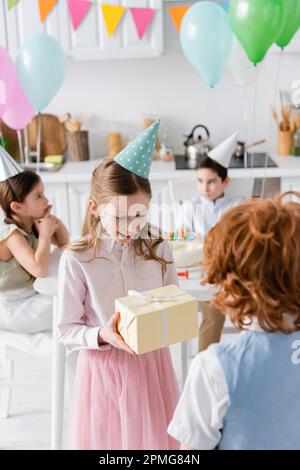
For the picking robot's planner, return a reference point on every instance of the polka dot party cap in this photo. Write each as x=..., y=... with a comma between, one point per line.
x=137, y=156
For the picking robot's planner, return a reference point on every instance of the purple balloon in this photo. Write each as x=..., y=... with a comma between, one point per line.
x=19, y=111
x=8, y=77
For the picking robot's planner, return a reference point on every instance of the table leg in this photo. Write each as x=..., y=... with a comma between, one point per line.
x=58, y=385
x=184, y=362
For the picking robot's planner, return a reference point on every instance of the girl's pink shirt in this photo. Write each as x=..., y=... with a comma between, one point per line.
x=87, y=289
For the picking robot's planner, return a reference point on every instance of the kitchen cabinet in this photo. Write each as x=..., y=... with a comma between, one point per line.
x=68, y=188
x=58, y=197
x=90, y=41
x=78, y=194
x=290, y=184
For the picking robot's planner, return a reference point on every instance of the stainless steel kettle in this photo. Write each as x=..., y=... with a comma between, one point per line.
x=197, y=145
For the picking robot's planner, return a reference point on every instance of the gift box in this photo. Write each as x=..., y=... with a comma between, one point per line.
x=157, y=318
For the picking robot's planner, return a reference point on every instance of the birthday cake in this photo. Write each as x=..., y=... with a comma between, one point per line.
x=187, y=253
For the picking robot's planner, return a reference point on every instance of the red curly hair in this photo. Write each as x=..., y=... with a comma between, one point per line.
x=253, y=255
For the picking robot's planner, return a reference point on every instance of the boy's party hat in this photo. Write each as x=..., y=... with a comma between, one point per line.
x=223, y=152
x=137, y=156
x=8, y=166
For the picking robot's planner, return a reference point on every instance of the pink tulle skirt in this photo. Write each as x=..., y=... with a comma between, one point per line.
x=122, y=401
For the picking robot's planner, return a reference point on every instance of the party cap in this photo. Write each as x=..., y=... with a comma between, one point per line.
x=223, y=152
x=8, y=166
x=137, y=156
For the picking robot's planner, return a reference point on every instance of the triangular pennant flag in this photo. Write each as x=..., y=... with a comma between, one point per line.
x=45, y=8
x=78, y=10
x=223, y=152
x=11, y=3
x=112, y=16
x=177, y=14
x=142, y=17
x=137, y=156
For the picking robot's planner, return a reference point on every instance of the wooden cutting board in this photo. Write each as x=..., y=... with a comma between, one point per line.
x=53, y=135
x=12, y=139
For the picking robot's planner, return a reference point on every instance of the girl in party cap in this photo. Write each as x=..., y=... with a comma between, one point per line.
x=27, y=230
x=121, y=400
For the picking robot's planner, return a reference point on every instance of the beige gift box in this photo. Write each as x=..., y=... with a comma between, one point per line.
x=157, y=318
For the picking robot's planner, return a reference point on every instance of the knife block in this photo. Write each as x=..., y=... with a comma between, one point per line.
x=78, y=146
x=285, y=142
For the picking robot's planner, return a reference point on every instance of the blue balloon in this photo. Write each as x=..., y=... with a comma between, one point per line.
x=206, y=39
x=225, y=6
x=41, y=66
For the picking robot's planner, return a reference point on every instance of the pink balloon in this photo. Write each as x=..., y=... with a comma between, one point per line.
x=8, y=77
x=19, y=111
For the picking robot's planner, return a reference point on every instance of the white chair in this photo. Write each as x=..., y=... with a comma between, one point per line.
x=10, y=343
x=49, y=286
x=46, y=286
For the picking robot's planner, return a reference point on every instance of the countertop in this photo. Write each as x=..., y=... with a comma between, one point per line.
x=288, y=166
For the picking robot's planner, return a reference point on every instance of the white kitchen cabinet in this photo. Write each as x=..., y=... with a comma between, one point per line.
x=68, y=189
x=78, y=194
x=290, y=184
x=24, y=20
x=90, y=41
x=58, y=196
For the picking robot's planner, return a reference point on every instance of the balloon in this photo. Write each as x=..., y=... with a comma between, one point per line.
x=224, y=5
x=19, y=111
x=257, y=24
x=41, y=67
x=8, y=78
x=240, y=67
x=292, y=23
x=206, y=39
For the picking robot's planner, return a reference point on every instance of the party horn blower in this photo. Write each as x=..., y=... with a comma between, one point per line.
x=184, y=274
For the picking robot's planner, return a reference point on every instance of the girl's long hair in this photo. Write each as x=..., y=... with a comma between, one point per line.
x=109, y=179
x=15, y=189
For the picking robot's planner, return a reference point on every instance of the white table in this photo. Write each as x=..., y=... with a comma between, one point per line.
x=48, y=285
x=202, y=294
x=192, y=285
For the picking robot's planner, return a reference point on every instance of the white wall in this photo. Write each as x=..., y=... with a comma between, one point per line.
x=125, y=91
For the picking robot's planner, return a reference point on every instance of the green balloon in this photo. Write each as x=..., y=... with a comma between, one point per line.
x=257, y=24
x=292, y=23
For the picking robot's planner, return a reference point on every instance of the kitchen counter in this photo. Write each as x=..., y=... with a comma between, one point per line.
x=288, y=166
x=68, y=188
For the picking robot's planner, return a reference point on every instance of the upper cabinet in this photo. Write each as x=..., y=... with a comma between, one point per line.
x=90, y=41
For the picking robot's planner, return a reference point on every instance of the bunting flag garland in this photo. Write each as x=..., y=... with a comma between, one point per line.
x=45, y=7
x=142, y=18
x=78, y=10
x=112, y=16
x=11, y=3
x=177, y=14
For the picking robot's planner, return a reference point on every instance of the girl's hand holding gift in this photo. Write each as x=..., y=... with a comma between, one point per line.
x=109, y=334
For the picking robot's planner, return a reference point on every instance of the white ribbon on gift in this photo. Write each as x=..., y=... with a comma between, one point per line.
x=144, y=297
